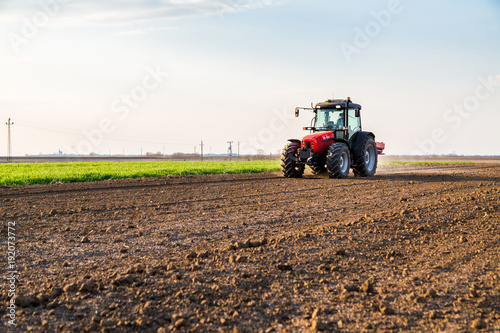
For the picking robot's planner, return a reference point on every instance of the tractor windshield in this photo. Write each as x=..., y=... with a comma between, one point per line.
x=329, y=119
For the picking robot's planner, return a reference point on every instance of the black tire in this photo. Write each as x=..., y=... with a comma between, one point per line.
x=338, y=161
x=366, y=163
x=317, y=169
x=290, y=168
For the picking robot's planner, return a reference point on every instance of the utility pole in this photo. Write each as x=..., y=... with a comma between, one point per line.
x=230, y=149
x=238, y=149
x=9, y=142
x=201, y=150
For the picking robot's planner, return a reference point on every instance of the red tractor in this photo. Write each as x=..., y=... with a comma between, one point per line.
x=335, y=145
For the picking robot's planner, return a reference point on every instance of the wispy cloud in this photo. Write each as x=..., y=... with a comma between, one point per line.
x=115, y=12
x=137, y=32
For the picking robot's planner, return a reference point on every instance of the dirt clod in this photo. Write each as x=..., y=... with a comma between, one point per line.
x=25, y=301
x=88, y=286
x=284, y=267
x=191, y=255
x=387, y=310
x=346, y=288
x=71, y=287
x=318, y=325
x=367, y=287
x=340, y=252
x=478, y=324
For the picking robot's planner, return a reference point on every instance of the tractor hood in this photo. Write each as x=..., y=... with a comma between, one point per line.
x=315, y=141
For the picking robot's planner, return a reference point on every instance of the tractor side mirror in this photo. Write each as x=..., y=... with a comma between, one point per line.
x=296, y=112
x=356, y=113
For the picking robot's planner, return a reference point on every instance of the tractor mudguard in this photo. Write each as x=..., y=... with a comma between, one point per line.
x=342, y=140
x=293, y=158
x=357, y=142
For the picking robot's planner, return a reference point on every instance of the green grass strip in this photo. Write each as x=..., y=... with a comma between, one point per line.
x=50, y=173
x=423, y=162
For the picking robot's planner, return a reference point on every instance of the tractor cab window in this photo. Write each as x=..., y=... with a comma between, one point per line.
x=354, y=122
x=329, y=119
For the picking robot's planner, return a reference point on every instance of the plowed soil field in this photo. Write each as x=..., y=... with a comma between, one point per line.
x=414, y=249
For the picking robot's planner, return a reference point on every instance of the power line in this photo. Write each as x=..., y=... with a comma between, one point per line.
x=9, y=142
x=79, y=133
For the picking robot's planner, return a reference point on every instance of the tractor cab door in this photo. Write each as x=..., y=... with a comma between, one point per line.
x=354, y=122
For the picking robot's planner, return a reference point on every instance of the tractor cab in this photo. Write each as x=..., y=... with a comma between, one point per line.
x=339, y=116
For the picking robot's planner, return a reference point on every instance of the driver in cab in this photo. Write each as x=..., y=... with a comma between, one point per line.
x=339, y=124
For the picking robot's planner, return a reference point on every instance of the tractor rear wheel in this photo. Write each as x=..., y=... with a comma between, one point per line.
x=317, y=169
x=289, y=165
x=338, y=161
x=366, y=163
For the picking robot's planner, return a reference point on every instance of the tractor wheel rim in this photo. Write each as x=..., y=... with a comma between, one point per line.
x=369, y=158
x=343, y=162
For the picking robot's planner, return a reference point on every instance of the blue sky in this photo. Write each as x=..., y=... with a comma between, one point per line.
x=426, y=72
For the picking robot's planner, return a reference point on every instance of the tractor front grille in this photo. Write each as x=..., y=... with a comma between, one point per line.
x=307, y=145
x=304, y=154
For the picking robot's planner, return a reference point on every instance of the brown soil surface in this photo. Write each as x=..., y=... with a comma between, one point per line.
x=414, y=249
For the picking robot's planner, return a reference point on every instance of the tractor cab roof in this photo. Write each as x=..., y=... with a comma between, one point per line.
x=336, y=104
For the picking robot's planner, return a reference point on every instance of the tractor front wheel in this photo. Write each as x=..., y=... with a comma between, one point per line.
x=366, y=163
x=338, y=161
x=289, y=165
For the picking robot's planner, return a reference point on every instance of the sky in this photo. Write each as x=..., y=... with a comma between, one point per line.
x=163, y=75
